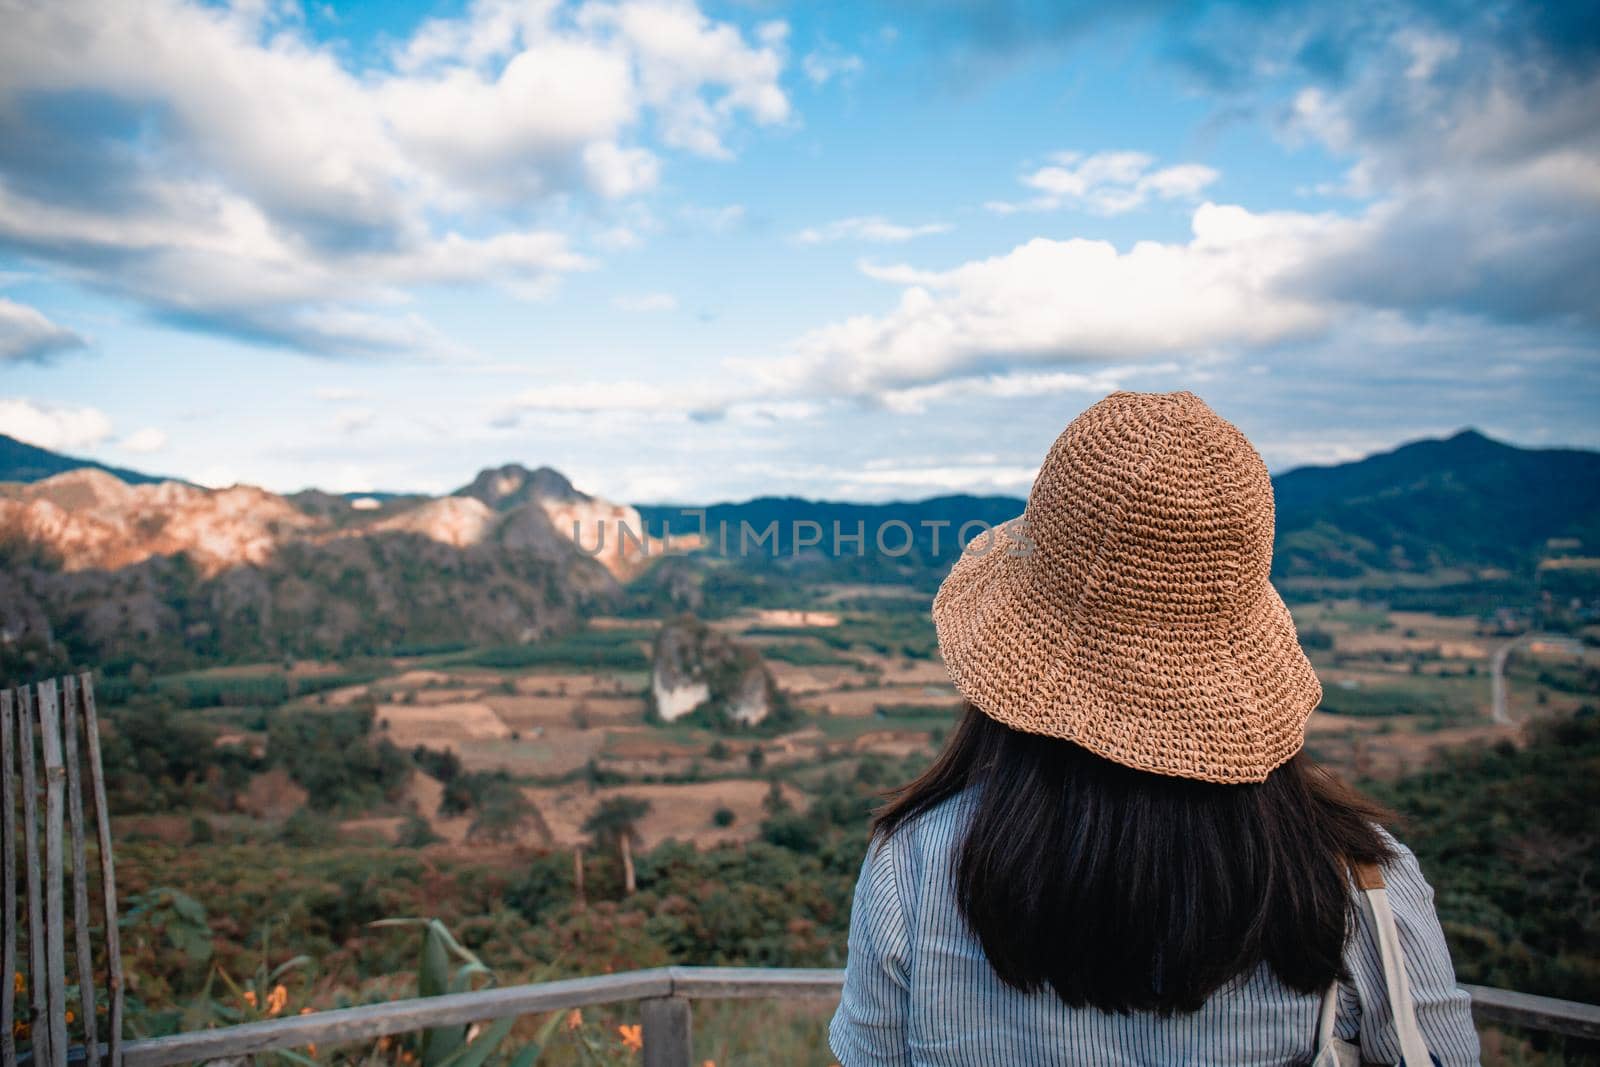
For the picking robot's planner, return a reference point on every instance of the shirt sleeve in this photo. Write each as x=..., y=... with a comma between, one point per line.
x=1443, y=1009
x=869, y=1029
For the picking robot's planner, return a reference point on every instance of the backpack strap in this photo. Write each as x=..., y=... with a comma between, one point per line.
x=1375, y=902
x=1367, y=876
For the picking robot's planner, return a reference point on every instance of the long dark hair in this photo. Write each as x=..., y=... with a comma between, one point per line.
x=1131, y=891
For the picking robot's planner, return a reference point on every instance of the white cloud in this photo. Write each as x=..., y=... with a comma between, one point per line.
x=26, y=335
x=913, y=400
x=1484, y=182
x=634, y=397
x=1485, y=170
x=53, y=427
x=742, y=402
x=645, y=302
x=694, y=73
x=824, y=65
x=353, y=419
x=147, y=440
x=242, y=177
x=1107, y=183
x=952, y=478
x=1051, y=302
x=868, y=228
x=337, y=393
x=618, y=172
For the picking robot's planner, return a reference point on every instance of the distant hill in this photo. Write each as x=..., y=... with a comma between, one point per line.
x=22, y=462
x=1463, y=501
x=95, y=570
x=97, y=567
x=1466, y=501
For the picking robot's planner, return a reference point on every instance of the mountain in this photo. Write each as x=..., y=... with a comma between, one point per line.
x=611, y=533
x=93, y=569
x=905, y=541
x=22, y=462
x=97, y=569
x=1466, y=501
x=505, y=487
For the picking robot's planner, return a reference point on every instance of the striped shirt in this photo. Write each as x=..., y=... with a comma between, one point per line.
x=919, y=991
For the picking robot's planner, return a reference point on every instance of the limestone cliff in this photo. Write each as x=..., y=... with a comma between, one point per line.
x=165, y=572
x=700, y=671
x=612, y=534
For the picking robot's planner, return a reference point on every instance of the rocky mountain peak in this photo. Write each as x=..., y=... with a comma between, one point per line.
x=452, y=520
x=513, y=485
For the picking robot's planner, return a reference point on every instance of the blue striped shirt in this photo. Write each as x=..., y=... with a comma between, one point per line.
x=919, y=991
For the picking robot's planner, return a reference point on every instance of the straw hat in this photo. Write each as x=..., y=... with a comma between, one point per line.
x=1128, y=610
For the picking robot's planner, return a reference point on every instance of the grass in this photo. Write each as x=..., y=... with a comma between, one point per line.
x=586, y=650
x=846, y=727
x=1376, y=702
x=744, y=1034
x=805, y=654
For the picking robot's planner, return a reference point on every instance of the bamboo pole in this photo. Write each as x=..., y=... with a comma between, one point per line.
x=8, y=840
x=39, y=1019
x=108, y=875
x=81, y=921
x=55, y=923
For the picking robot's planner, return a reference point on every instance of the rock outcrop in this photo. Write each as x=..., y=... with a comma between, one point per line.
x=90, y=519
x=700, y=671
x=167, y=571
x=612, y=534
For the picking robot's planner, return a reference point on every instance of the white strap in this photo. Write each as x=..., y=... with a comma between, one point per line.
x=1412, y=1047
x=1327, y=1015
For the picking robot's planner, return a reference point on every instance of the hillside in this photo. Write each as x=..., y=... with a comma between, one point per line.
x=22, y=462
x=919, y=539
x=1465, y=501
x=94, y=570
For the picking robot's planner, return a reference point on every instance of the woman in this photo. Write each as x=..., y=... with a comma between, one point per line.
x=1122, y=856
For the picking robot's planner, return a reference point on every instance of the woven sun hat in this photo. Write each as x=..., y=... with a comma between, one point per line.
x=1128, y=609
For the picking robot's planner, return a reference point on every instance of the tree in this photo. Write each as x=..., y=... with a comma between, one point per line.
x=503, y=812
x=615, y=824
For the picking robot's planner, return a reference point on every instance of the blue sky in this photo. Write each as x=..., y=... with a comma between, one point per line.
x=862, y=250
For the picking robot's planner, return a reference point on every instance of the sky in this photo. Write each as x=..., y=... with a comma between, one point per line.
x=867, y=250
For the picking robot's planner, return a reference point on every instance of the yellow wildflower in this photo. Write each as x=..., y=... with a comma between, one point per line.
x=70, y=1016
x=277, y=999
x=574, y=1019
x=19, y=983
x=632, y=1037
x=250, y=997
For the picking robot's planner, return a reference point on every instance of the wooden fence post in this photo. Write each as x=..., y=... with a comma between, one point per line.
x=55, y=921
x=39, y=1015
x=108, y=874
x=8, y=870
x=81, y=921
x=668, y=1031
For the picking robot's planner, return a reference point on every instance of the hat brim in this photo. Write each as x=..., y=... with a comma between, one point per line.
x=1219, y=703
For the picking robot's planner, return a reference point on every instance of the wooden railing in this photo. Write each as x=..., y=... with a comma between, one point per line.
x=664, y=994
